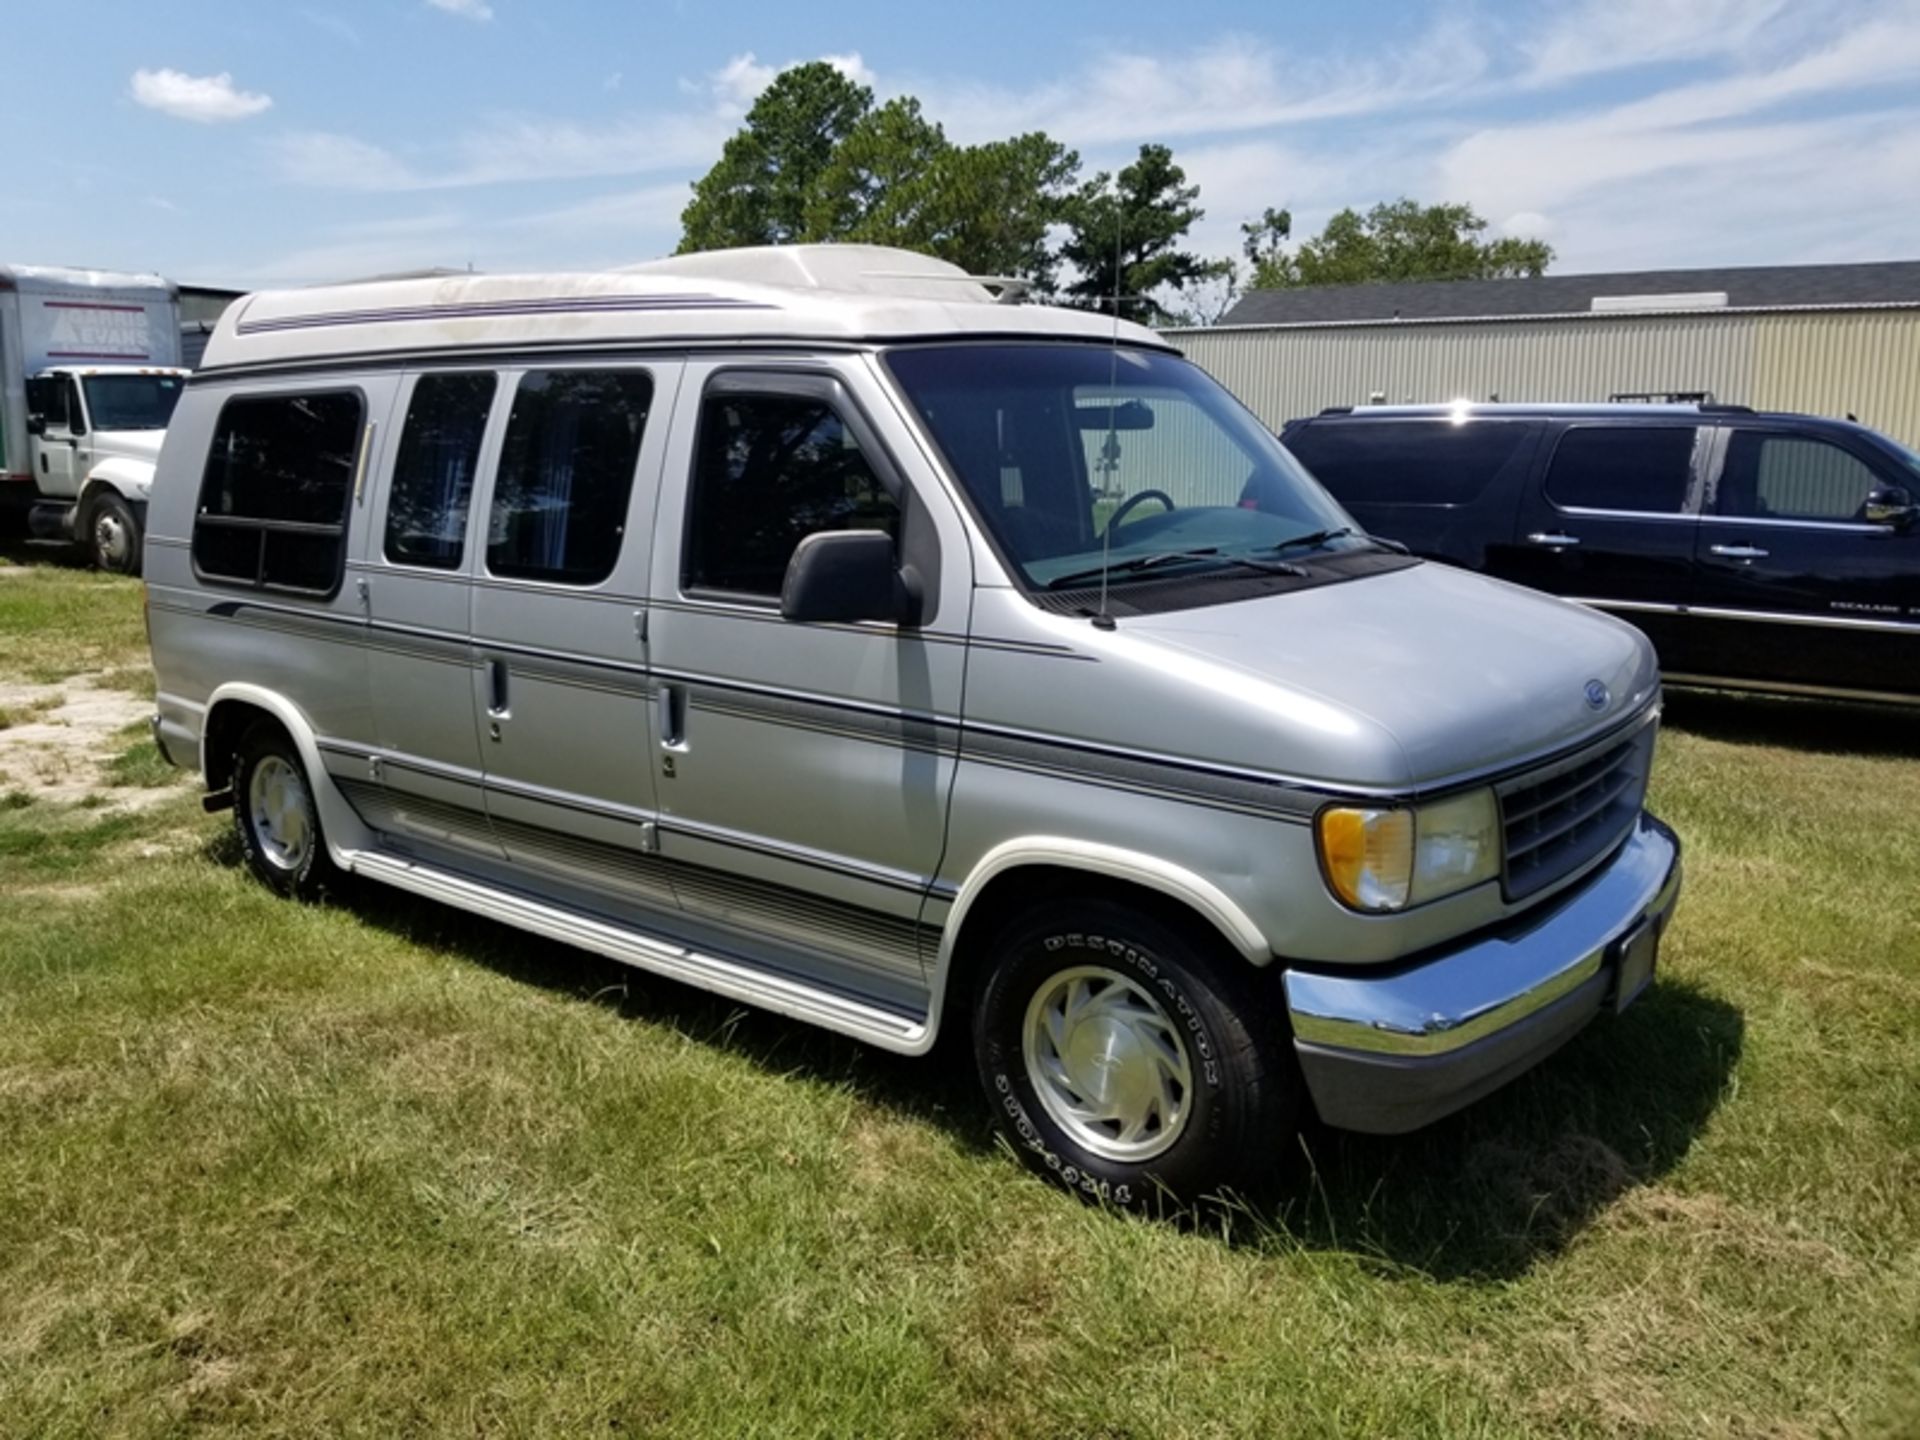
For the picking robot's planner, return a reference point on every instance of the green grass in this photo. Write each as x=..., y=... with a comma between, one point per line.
x=58, y=620
x=377, y=1167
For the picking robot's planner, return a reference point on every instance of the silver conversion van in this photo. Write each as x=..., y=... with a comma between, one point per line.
x=807, y=626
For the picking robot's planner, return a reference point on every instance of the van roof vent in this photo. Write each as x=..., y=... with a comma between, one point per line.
x=878, y=270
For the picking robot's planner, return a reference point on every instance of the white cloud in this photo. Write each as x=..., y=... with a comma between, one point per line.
x=1234, y=85
x=340, y=162
x=1592, y=36
x=738, y=83
x=475, y=10
x=205, y=98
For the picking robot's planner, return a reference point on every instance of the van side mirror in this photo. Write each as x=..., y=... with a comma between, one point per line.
x=843, y=575
x=1889, y=505
x=36, y=424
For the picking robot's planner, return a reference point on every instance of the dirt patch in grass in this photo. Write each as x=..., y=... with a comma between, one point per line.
x=70, y=747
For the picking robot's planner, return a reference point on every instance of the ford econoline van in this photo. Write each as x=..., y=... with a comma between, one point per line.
x=808, y=626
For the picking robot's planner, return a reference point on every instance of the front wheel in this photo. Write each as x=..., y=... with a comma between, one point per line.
x=276, y=818
x=1125, y=1059
x=113, y=535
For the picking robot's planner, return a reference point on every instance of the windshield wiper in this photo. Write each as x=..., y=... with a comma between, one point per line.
x=1170, y=557
x=1320, y=537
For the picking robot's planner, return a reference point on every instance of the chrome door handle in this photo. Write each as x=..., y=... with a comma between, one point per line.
x=1739, y=552
x=671, y=718
x=1553, y=538
x=497, y=691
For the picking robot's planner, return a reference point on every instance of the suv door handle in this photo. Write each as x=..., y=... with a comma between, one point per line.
x=1554, y=538
x=1739, y=552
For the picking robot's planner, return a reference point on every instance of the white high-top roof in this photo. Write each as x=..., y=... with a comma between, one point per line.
x=838, y=293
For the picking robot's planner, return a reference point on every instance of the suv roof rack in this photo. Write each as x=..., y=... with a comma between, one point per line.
x=1337, y=410
x=1721, y=408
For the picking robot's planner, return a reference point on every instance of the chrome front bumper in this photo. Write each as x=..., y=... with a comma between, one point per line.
x=1391, y=1052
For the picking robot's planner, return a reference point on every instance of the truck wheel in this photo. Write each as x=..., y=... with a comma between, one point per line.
x=1124, y=1060
x=276, y=818
x=113, y=535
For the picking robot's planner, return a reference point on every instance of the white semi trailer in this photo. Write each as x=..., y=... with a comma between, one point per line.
x=89, y=375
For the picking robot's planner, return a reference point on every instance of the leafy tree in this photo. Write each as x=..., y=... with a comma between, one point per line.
x=1123, y=235
x=874, y=187
x=1400, y=241
x=989, y=207
x=767, y=175
x=1264, y=239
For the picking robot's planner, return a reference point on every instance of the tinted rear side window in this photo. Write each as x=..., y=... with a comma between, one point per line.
x=1643, y=468
x=566, y=473
x=1787, y=477
x=433, y=474
x=772, y=470
x=1409, y=462
x=273, y=503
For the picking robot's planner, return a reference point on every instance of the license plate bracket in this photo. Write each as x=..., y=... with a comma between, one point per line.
x=1636, y=953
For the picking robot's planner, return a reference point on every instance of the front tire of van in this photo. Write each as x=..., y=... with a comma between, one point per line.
x=1126, y=1060
x=275, y=817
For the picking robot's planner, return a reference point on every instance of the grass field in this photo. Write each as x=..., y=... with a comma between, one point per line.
x=376, y=1168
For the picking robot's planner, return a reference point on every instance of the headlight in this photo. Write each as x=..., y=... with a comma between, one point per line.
x=1388, y=859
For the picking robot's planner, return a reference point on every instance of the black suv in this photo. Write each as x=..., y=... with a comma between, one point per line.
x=1759, y=551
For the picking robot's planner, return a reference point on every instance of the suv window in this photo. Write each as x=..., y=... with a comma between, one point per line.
x=770, y=471
x=1643, y=468
x=273, y=503
x=566, y=474
x=433, y=473
x=1408, y=462
x=1790, y=477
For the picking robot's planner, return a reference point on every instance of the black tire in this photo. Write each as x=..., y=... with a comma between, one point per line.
x=1243, y=1104
x=111, y=533
x=303, y=871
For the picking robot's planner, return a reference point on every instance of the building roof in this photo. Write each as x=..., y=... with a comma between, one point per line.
x=836, y=294
x=1756, y=287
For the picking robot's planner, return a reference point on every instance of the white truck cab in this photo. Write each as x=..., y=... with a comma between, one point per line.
x=89, y=376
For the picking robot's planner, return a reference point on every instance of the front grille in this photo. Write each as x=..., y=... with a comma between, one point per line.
x=1559, y=816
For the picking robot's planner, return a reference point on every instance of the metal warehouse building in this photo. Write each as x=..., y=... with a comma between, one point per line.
x=1826, y=339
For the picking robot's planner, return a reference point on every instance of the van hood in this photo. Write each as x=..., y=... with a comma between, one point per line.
x=1463, y=673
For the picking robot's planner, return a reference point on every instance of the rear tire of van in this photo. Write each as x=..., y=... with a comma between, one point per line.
x=276, y=818
x=1128, y=1061
x=111, y=533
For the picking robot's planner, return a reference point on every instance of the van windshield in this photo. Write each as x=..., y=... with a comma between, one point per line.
x=132, y=402
x=1082, y=459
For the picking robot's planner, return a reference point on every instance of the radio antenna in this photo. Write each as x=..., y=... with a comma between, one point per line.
x=1110, y=453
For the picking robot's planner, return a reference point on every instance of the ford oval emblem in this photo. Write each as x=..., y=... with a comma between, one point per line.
x=1597, y=695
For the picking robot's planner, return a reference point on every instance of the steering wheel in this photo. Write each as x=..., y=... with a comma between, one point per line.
x=1126, y=505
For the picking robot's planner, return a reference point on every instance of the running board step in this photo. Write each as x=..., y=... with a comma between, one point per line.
x=744, y=983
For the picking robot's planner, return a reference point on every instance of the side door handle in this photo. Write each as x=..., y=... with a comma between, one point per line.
x=1739, y=552
x=1554, y=539
x=498, y=707
x=670, y=719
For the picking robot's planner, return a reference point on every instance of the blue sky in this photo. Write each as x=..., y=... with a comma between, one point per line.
x=287, y=141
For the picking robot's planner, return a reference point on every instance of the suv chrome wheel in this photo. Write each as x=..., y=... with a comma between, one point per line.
x=1107, y=1063
x=281, y=813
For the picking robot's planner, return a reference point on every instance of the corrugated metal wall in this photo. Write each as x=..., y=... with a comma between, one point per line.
x=1825, y=363
x=1865, y=363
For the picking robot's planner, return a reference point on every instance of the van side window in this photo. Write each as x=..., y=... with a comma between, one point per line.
x=1788, y=477
x=1644, y=468
x=1408, y=462
x=566, y=474
x=279, y=478
x=433, y=473
x=770, y=471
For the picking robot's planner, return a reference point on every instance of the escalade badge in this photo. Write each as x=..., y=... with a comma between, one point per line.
x=1597, y=695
